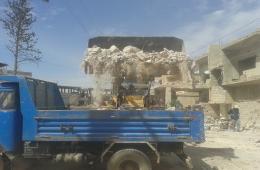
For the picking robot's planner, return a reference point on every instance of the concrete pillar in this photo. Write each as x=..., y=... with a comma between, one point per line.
x=168, y=96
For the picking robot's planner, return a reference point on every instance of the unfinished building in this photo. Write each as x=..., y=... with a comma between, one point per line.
x=235, y=79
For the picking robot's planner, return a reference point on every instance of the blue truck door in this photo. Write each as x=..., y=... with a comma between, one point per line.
x=10, y=118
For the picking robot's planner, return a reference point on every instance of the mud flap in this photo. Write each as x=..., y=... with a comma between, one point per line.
x=184, y=157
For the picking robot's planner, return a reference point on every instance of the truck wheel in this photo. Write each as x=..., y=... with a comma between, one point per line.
x=129, y=159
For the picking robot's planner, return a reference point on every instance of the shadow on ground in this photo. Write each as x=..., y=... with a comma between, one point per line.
x=197, y=154
x=169, y=162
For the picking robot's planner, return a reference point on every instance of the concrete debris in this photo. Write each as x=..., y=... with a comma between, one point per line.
x=130, y=59
x=216, y=124
x=171, y=108
x=219, y=124
x=132, y=64
x=130, y=49
x=253, y=121
x=113, y=49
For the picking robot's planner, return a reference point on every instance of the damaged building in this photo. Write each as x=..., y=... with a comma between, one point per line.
x=234, y=79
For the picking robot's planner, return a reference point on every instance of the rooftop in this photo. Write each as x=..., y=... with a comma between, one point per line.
x=243, y=43
x=3, y=64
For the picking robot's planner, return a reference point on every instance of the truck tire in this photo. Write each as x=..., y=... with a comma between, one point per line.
x=129, y=159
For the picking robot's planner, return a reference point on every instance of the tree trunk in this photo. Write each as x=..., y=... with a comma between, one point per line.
x=16, y=54
x=16, y=59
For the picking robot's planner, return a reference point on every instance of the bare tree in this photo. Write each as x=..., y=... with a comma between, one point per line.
x=17, y=21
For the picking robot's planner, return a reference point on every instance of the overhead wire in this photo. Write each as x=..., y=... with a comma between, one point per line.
x=76, y=18
x=80, y=24
x=226, y=35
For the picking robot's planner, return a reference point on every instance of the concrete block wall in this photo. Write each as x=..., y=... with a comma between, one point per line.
x=245, y=93
x=248, y=100
x=217, y=94
x=249, y=114
x=188, y=98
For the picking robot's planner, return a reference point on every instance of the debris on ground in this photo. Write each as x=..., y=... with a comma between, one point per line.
x=253, y=121
x=216, y=124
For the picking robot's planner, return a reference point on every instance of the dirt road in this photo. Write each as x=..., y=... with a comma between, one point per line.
x=222, y=151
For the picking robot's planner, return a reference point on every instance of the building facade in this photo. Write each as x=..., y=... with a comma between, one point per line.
x=234, y=78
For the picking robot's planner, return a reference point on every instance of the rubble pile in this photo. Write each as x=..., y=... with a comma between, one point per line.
x=253, y=122
x=215, y=124
x=132, y=62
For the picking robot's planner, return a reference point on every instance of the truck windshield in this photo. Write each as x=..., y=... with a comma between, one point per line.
x=7, y=100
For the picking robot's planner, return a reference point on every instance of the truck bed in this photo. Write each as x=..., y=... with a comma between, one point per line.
x=117, y=125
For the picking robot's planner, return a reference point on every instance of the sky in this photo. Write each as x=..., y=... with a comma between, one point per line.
x=63, y=28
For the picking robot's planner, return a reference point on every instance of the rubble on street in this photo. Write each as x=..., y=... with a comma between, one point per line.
x=216, y=124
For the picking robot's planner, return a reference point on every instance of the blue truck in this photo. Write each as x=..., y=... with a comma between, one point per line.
x=35, y=124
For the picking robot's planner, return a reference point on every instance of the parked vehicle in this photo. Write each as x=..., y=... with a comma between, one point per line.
x=34, y=123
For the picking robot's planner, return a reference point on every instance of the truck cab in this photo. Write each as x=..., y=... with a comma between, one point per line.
x=20, y=99
x=10, y=117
